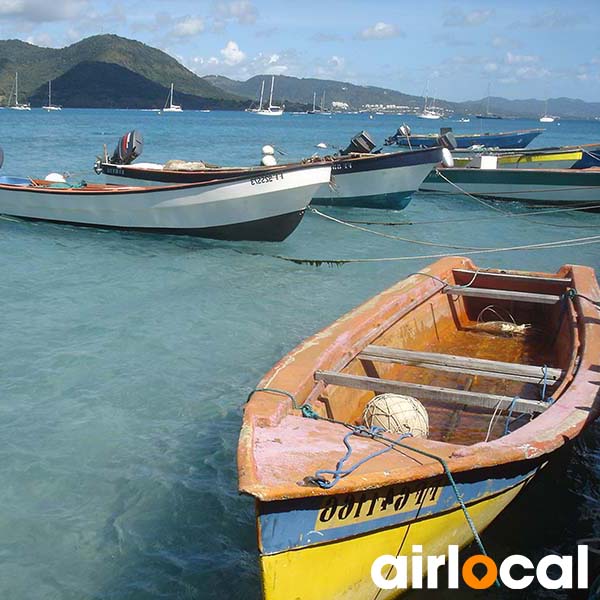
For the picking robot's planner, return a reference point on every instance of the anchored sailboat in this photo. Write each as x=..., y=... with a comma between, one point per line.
x=429, y=112
x=272, y=110
x=318, y=111
x=546, y=118
x=169, y=106
x=51, y=106
x=260, y=103
x=17, y=105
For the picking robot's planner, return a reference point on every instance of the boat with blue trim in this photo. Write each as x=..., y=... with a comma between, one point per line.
x=506, y=139
x=361, y=177
x=479, y=376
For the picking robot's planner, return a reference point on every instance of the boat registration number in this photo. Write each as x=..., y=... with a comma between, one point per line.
x=266, y=178
x=347, y=509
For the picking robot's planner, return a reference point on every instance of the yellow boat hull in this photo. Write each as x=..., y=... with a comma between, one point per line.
x=342, y=570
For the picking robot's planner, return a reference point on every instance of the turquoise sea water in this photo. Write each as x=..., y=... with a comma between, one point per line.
x=127, y=358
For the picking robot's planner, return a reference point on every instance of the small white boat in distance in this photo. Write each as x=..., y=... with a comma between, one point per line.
x=50, y=106
x=272, y=110
x=17, y=105
x=169, y=106
x=546, y=118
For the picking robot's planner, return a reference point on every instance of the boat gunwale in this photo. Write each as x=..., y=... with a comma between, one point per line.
x=559, y=423
x=101, y=189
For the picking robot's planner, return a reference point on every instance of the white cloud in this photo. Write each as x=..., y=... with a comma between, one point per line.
x=188, y=26
x=380, y=31
x=42, y=11
x=242, y=11
x=519, y=59
x=458, y=18
x=232, y=55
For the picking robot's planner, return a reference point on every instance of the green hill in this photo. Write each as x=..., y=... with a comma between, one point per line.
x=36, y=66
x=105, y=85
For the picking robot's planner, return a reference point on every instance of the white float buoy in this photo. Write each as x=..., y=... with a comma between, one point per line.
x=55, y=178
x=397, y=414
x=268, y=160
x=447, y=158
x=268, y=149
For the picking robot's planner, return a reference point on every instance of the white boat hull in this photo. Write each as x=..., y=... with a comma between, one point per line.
x=543, y=186
x=387, y=183
x=254, y=208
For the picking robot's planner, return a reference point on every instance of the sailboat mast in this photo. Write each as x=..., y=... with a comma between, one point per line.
x=16, y=88
x=50, y=93
x=271, y=95
x=262, y=92
x=171, y=97
x=323, y=102
x=314, y=101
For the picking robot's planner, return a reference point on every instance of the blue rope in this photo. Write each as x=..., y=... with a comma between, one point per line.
x=508, y=422
x=339, y=471
x=544, y=382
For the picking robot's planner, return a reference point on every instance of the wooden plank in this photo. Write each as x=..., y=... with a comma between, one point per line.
x=471, y=366
x=502, y=295
x=558, y=281
x=477, y=399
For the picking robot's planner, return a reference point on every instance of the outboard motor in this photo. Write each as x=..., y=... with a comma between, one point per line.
x=360, y=144
x=447, y=139
x=402, y=132
x=130, y=146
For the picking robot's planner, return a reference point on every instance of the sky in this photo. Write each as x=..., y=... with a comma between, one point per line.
x=516, y=48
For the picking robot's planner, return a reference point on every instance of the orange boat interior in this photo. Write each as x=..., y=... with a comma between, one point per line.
x=515, y=331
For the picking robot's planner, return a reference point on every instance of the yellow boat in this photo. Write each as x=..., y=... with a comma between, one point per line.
x=505, y=366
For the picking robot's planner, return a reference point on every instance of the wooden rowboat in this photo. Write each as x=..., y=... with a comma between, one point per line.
x=507, y=356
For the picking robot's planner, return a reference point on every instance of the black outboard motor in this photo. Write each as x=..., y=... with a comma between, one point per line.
x=447, y=139
x=130, y=146
x=401, y=132
x=360, y=144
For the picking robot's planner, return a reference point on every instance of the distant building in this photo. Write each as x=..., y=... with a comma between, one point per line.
x=339, y=105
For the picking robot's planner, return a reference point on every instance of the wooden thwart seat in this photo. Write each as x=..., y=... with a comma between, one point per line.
x=462, y=364
x=459, y=397
x=502, y=294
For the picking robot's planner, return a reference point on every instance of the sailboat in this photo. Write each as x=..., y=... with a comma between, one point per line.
x=51, y=106
x=488, y=114
x=169, y=106
x=546, y=118
x=262, y=93
x=272, y=110
x=429, y=112
x=318, y=111
x=17, y=105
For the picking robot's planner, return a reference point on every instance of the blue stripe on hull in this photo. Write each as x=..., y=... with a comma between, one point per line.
x=396, y=201
x=289, y=524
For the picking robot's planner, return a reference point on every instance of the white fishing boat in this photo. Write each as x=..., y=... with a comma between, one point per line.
x=361, y=178
x=51, y=107
x=18, y=105
x=272, y=110
x=265, y=207
x=169, y=106
x=533, y=186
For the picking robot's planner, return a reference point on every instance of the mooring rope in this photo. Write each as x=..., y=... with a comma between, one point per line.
x=391, y=237
x=308, y=412
x=492, y=207
x=490, y=218
x=317, y=262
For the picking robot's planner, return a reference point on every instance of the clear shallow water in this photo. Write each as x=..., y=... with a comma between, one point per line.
x=127, y=358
